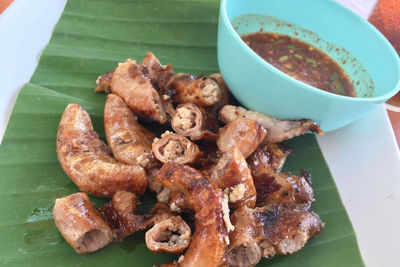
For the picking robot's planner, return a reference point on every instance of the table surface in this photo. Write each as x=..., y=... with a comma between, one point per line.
x=363, y=157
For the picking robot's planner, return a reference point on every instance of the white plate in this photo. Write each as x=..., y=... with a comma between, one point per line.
x=363, y=157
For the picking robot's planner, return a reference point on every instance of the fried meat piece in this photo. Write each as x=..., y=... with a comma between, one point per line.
x=170, y=235
x=129, y=141
x=233, y=176
x=88, y=161
x=278, y=130
x=135, y=88
x=245, y=134
x=208, y=244
x=202, y=91
x=103, y=82
x=281, y=187
x=265, y=231
x=120, y=214
x=80, y=223
x=269, y=158
x=160, y=76
x=194, y=122
x=174, y=147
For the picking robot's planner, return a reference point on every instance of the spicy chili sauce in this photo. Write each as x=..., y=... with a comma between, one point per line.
x=301, y=61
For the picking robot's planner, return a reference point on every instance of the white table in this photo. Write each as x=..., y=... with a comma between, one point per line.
x=363, y=157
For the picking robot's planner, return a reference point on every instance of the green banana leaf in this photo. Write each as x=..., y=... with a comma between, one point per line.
x=91, y=38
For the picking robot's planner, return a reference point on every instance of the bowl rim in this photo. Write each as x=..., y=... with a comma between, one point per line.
x=378, y=99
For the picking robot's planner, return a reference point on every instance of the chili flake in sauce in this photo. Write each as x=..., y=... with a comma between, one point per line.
x=301, y=61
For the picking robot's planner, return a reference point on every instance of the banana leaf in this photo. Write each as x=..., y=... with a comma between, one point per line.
x=91, y=37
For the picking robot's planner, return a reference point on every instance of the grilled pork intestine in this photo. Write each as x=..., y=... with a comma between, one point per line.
x=278, y=130
x=80, y=223
x=202, y=91
x=120, y=214
x=245, y=134
x=135, y=88
x=269, y=158
x=160, y=76
x=274, y=187
x=103, y=82
x=209, y=241
x=170, y=235
x=194, y=122
x=141, y=86
x=265, y=231
x=233, y=176
x=174, y=147
x=89, y=162
x=129, y=141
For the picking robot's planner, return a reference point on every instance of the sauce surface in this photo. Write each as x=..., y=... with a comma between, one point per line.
x=301, y=61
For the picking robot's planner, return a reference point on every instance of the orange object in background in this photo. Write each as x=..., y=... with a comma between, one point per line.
x=4, y=4
x=386, y=18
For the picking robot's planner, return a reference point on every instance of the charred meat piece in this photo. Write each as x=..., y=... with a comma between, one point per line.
x=89, y=162
x=120, y=214
x=202, y=91
x=174, y=147
x=194, y=122
x=245, y=134
x=287, y=227
x=233, y=176
x=269, y=158
x=135, y=88
x=209, y=241
x=278, y=130
x=265, y=231
x=160, y=76
x=170, y=235
x=129, y=141
x=80, y=223
x=103, y=82
x=273, y=187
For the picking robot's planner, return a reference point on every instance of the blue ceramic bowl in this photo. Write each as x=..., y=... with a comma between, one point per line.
x=356, y=45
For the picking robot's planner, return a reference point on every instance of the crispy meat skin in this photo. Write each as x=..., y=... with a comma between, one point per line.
x=160, y=76
x=206, y=199
x=80, y=224
x=170, y=235
x=269, y=158
x=278, y=130
x=135, y=88
x=174, y=147
x=89, y=162
x=140, y=86
x=202, y=91
x=129, y=141
x=120, y=214
x=194, y=122
x=245, y=134
x=277, y=228
x=233, y=175
x=103, y=82
x=273, y=187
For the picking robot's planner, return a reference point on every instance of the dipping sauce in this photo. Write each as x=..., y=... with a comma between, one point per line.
x=301, y=61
